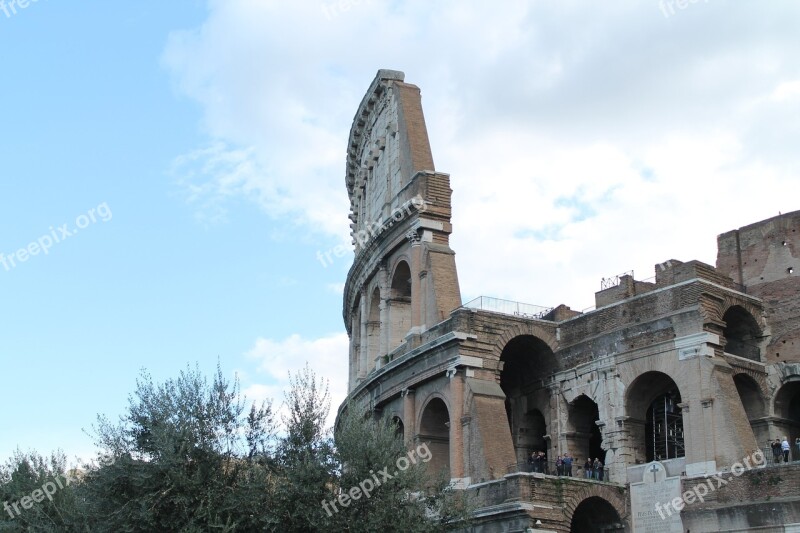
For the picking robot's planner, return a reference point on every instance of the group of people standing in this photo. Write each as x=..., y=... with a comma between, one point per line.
x=538, y=462
x=781, y=448
x=591, y=469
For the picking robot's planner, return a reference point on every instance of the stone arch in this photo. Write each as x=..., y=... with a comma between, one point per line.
x=399, y=303
x=399, y=430
x=742, y=333
x=755, y=403
x=434, y=430
x=786, y=406
x=526, y=361
x=518, y=330
x=611, y=496
x=652, y=405
x=584, y=438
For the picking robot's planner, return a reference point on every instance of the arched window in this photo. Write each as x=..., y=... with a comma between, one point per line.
x=434, y=429
x=399, y=428
x=585, y=437
x=527, y=361
x=787, y=412
x=754, y=407
x=655, y=419
x=742, y=334
x=399, y=305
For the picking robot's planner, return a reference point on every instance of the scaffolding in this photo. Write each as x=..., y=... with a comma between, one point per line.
x=666, y=422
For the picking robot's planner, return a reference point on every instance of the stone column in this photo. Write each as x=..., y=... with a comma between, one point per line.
x=384, y=291
x=409, y=416
x=364, y=340
x=456, y=386
x=416, y=295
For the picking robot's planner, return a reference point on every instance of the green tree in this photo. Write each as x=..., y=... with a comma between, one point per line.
x=187, y=456
x=305, y=457
x=387, y=483
x=43, y=485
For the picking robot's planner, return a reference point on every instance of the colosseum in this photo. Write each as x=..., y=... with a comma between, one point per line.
x=675, y=388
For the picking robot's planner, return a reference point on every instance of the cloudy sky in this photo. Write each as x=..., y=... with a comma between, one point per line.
x=171, y=170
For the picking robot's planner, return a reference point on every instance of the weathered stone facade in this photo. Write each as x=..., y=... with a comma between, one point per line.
x=697, y=367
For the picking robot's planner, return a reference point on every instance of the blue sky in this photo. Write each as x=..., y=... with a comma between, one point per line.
x=582, y=142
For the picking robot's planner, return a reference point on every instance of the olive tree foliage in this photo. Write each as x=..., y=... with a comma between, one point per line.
x=187, y=456
x=388, y=484
x=36, y=494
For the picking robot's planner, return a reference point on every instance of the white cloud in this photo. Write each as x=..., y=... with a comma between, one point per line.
x=582, y=141
x=276, y=359
x=786, y=91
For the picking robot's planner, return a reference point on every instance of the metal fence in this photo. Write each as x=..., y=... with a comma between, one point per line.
x=772, y=459
x=508, y=307
x=549, y=468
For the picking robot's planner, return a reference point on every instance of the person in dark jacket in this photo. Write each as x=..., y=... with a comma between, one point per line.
x=567, y=460
x=587, y=468
x=598, y=469
x=776, y=451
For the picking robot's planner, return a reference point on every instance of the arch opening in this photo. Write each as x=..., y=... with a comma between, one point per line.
x=399, y=305
x=584, y=437
x=527, y=361
x=399, y=428
x=754, y=406
x=742, y=334
x=595, y=515
x=656, y=421
x=434, y=429
x=787, y=412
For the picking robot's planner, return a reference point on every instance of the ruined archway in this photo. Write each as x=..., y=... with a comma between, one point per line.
x=787, y=412
x=399, y=304
x=584, y=438
x=434, y=429
x=742, y=334
x=527, y=361
x=595, y=515
x=399, y=428
x=655, y=422
x=754, y=406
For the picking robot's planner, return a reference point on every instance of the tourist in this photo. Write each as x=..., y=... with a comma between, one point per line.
x=559, y=465
x=542, y=463
x=785, y=449
x=797, y=449
x=598, y=469
x=587, y=468
x=532, y=460
x=567, y=460
x=776, y=451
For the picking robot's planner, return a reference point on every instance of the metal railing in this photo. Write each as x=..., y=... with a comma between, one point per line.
x=772, y=459
x=549, y=468
x=508, y=307
x=613, y=281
